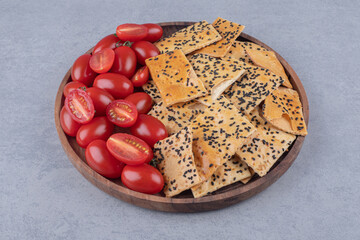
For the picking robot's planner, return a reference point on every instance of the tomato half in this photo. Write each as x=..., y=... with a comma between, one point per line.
x=101, y=161
x=101, y=100
x=122, y=113
x=72, y=86
x=80, y=106
x=68, y=124
x=141, y=100
x=98, y=128
x=149, y=129
x=131, y=32
x=155, y=32
x=141, y=76
x=129, y=149
x=102, y=61
x=125, y=61
x=144, y=50
x=117, y=85
x=107, y=42
x=81, y=70
x=143, y=178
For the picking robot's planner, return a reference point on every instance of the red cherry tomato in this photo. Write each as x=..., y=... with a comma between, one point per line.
x=122, y=113
x=129, y=149
x=141, y=76
x=143, y=178
x=102, y=61
x=80, y=106
x=68, y=124
x=117, y=85
x=141, y=100
x=125, y=61
x=72, y=86
x=101, y=100
x=155, y=32
x=144, y=50
x=98, y=128
x=81, y=70
x=131, y=32
x=149, y=129
x=101, y=161
x=107, y=42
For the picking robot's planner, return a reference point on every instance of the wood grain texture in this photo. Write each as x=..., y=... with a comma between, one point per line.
x=184, y=202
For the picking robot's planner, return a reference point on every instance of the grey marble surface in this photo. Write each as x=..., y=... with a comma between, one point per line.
x=42, y=196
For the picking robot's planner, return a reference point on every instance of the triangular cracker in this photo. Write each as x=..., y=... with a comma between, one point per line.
x=189, y=39
x=283, y=109
x=176, y=162
x=229, y=32
x=230, y=172
x=238, y=52
x=175, y=78
x=151, y=89
x=216, y=74
x=268, y=59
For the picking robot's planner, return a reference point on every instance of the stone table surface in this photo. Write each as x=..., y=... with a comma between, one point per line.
x=42, y=196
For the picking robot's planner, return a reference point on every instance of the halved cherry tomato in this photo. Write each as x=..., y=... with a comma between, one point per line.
x=141, y=76
x=141, y=100
x=131, y=32
x=107, y=42
x=100, y=159
x=102, y=61
x=149, y=129
x=72, y=86
x=129, y=149
x=125, y=61
x=143, y=178
x=98, y=128
x=144, y=50
x=68, y=124
x=155, y=32
x=117, y=85
x=122, y=113
x=80, y=106
x=101, y=100
x=81, y=70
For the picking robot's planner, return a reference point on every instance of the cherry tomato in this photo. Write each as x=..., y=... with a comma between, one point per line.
x=141, y=100
x=129, y=149
x=81, y=70
x=72, y=86
x=98, y=128
x=155, y=32
x=101, y=160
x=122, y=113
x=68, y=124
x=80, y=106
x=101, y=100
x=107, y=42
x=149, y=129
x=117, y=85
x=131, y=32
x=141, y=76
x=125, y=61
x=143, y=178
x=102, y=61
x=144, y=50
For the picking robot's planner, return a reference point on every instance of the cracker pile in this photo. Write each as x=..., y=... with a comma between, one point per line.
x=228, y=107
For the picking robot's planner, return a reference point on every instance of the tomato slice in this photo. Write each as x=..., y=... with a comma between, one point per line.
x=122, y=113
x=80, y=106
x=131, y=32
x=101, y=62
x=129, y=149
x=141, y=76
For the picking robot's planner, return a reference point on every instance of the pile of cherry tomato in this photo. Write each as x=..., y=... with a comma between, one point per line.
x=101, y=95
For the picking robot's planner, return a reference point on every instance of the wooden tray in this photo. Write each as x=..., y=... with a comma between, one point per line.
x=184, y=202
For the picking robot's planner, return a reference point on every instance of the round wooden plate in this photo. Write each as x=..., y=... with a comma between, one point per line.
x=184, y=202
